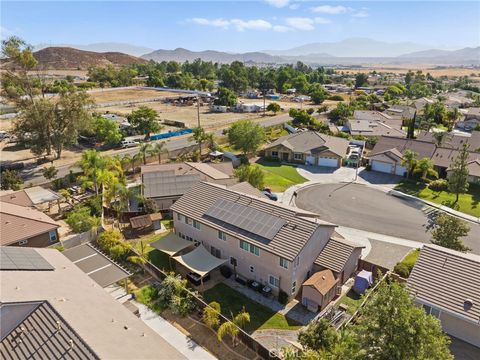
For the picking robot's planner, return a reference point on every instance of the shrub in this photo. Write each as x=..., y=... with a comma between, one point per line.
x=335, y=98
x=438, y=185
x=402, y=270
x=271, y=159
x=283, y=297
x=80, y=219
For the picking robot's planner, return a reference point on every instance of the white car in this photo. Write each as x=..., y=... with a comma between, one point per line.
x=128, y=144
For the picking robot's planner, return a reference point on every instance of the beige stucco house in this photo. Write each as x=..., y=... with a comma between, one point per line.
x=446, y=283
x=319, y=290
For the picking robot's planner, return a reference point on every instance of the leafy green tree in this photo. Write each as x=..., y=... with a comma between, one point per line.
x=49, y=172
x=390, y=326
x=10, y=180
x=458, y=177
x=341, y=113
x=173, y=295
x=144, y=120
x=319, y=335
x=142, y=255
x=318, y=97
x=246, y=136
x=228, y=329
x=273, y=107
x=80, y=219
x=252, y=174
x=158, y=149
x=107, y=131
x=242, y=319
x=361, y=80
x=144, y=149
x=199, y=135
x=301, y=117
x=425, y=168
x=91, y=163
x=211, y=315
x=409, y=161
x=225, y=97
x=448, y=231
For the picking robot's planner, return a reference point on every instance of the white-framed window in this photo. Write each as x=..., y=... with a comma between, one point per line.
x=221, y=235
x=249, y=247
x=284, y=263
x=273, y=281
x=244, y=245
x=196, y=224
x=294, y=287
x=23, y=242
x=274, y=153
x=432, y=311
x=187, y=220
x=252, y=269
x=297, y=156
x=179, y=216
x=53, y=235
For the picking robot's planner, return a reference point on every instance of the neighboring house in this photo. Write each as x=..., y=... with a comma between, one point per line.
x=453, y=140
x=51, y=309
x=340, y=256
x=401, y=111
x=457, y=100
x=447, y=284
x=420, y=103
x=31, y=197
x=271, y=243
x=471, y=119
x=375, y=128
x=26, y=226
x=309, y=147
x=473, y=167
x=218, y=108
x=164, y=184
x=319, y=290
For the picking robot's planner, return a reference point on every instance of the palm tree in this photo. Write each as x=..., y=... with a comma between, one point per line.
x=439, y=137
x=199, y=135
x=425, y=167
x=228, y=328
x=144, y=149
x=138, y=157
x=452, y=117
x=91, y=162
x=125, y=161
x=157, y=150
x=409, y=161
x=242, y=318
x=427, y=123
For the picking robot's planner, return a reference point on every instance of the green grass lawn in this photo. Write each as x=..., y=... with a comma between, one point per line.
x=155, y=256
x=279, y=176
x=468, y=203
x=261, y=317
x=411, y=258
x=352, y=300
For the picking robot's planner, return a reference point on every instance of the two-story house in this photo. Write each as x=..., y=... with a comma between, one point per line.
x=262, y=240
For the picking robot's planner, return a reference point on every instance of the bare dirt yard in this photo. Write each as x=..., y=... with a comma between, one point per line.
x=400, y=69
x=108, y=95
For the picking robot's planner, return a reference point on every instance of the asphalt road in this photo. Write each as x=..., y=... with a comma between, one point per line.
x=368, y=209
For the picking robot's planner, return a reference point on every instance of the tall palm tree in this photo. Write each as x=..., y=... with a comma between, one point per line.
x=425, y=167
x=137, y=158
x=144, y=149
x=91, y=162
x=228, y=328
x=157, y=150
x=409, y=161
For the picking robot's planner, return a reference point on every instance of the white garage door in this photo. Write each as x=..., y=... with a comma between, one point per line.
x=400, y=170
x=322, y=161
x=310, y=160
x=381, y=167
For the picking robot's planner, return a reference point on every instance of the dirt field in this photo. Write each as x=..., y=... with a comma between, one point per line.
x=399, y=69
x=108, y=95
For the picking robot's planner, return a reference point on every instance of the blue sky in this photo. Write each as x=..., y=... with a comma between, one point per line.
x=242, y=25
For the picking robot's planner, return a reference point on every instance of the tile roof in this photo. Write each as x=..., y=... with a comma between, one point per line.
x=246, y=188
x=370, y=115
x=30, y=196
x=445, y=279
x=323, y=281
x=422, y=148
x=288, y=242
x=36, y=330
x=375, y=128
x=336, y=253
x=17, y=198
x=309, y=141
x=453, y=141
x=20, y=223
x=444, y=157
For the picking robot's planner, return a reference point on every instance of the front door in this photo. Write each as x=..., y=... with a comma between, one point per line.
x=285, y=156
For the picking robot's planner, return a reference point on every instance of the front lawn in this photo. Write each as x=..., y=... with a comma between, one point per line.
x=279, y=176
x=261, y=317
x=468, y=203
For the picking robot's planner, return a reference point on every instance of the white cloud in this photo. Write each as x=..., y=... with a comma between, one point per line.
x=281, y=28
x=278, y=3
x=211, y=22
x=361, y=14
x=294, y=6
x=300, y=23
x=258, y=24
x=321, y=20
x=329, y=9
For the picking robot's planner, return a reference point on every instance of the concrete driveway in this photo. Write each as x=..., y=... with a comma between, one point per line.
x=369, y=209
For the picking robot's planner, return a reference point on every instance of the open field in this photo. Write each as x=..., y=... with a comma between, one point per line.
x=108, y=95
x=399, y=69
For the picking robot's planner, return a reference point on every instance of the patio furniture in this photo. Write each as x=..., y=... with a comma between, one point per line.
x=196, y=279
x=256, y=286
x=266, y=291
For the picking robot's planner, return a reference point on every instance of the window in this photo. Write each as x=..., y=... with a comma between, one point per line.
x=179, y=217
x=284, y=263
x=294, y=287
x=23, y=242
x=53, y=235
x=249, y=247
x=215, y=252
x=274, y=153
x=222, y=235
x=187, y=220
x=252, y=269
x=297, y=156
x=273, y=281
x=196, y=224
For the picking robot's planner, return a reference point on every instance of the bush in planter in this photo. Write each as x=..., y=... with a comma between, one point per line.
x=438, y=185
x=283, y=297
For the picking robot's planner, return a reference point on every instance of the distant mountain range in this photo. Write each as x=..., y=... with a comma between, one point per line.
x=129, y=49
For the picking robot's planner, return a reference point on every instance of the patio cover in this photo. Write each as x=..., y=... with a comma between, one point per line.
x=200, y=261
x=171, y=244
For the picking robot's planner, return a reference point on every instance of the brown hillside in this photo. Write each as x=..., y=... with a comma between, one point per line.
x=65, y=58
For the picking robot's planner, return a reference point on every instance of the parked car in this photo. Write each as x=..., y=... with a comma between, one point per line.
x=268, y=193
x=128, y=144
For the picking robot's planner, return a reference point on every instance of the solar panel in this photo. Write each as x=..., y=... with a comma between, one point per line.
x=24, y=259
x=246, y=218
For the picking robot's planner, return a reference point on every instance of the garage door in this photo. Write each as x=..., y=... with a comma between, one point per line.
x=400, y=170
x=310, y=160
x=322, y=161
x=381, y=167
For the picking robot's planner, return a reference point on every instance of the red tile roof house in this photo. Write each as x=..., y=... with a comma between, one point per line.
x=447, y=284
x=26, y=226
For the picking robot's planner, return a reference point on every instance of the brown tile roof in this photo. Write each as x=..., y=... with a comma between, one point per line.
x=375, y=128
x=246, y=188
x=144, y=220
x=336, y=253
x=30, y=196
x=18, y=198
x=288, y=241
x=372, y=115
x=312, y=142
x=20, y=223
x=445, y=279
x=323, y=281
x=444, y=157
x=422, y=148
x=454, y=141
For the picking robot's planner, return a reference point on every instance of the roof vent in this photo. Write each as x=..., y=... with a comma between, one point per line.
x=323, y=278
x=467, y=304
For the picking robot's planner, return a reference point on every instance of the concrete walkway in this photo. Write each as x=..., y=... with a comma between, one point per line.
x=181, y=342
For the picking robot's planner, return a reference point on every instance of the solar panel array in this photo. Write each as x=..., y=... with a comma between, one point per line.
x=166, y=183
x=246, y=218
x=23, y=259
